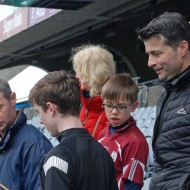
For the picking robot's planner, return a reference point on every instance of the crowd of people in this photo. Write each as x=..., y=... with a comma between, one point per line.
x=89, y=112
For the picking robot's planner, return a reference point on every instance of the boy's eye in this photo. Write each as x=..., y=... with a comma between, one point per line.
x=122, y=106
x=109, y=106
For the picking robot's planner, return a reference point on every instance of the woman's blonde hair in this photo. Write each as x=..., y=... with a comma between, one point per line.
x=94, y=64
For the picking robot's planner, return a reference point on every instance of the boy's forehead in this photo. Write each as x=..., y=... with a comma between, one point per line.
x=118, y=100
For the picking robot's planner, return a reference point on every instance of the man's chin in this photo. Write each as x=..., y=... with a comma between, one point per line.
x=161, y=77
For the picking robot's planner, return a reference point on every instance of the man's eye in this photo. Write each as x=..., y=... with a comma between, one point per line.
x=156, y=53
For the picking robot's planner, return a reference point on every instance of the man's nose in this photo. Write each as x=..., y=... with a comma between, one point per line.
x=151, y=62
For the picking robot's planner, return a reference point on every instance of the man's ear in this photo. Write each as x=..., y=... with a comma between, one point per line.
x=183, y=47
x=13, y=98
x=134, y=106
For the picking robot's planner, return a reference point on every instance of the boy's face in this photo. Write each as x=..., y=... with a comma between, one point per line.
x=118, y=116
x=47, y=118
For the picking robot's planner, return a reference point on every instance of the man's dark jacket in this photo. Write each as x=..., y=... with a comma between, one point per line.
x=171, y=138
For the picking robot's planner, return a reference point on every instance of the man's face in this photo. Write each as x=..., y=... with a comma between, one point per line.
x=166, y=61
x=7, y=112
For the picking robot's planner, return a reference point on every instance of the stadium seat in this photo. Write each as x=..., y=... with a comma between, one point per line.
x=146, y=112
x=139, y=123
x=138, y=113
x=152, y=113
x=146, y=184
x=146, y=125
x=150, y=161
x=149, y=127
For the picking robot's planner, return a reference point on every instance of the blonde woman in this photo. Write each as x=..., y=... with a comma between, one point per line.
x=93, y=65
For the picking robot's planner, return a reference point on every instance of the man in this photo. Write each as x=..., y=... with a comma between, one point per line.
x=167, y=43
x=79, y=162
x=22, y=146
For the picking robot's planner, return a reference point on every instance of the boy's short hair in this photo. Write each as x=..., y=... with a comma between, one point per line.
x=59, y=87
x=95, y=65
x=120, y=86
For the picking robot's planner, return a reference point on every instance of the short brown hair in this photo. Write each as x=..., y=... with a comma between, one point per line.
x=59, y=87
x=120, y=86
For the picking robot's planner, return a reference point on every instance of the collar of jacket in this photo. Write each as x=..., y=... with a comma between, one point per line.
x=11, y=131
x=70, y=132
x=130, y=122
x=175, y=81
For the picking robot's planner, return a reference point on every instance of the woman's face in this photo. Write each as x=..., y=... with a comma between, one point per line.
x=84, y=86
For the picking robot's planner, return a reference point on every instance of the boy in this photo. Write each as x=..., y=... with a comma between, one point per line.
x=79, y=162
x=122, y=139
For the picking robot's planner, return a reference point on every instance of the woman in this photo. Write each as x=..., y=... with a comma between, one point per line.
x=93, y=65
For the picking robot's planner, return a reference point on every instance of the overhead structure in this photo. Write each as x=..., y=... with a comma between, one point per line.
x=45, y=37
x=59, y=4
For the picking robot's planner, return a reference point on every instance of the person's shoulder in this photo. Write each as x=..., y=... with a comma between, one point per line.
x=134, y=134
x=53, y=152
x=32, y=129
x=103, y=132
x=138, y=133
x=60, y=151
x=32, y=134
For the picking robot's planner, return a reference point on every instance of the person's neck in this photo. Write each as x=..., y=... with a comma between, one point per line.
x=186, y=62
x=69, y=122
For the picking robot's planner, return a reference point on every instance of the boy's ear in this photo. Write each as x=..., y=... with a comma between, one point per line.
x=134, y=106
x=51, y=107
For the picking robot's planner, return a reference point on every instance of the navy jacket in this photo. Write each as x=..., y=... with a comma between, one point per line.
x=21, y=151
